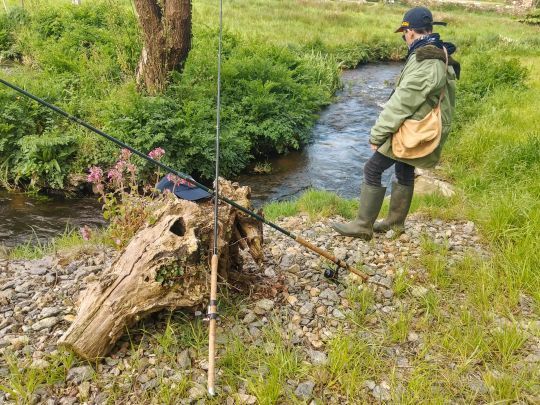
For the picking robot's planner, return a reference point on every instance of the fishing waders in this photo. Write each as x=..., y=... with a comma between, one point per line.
x=371, y=198
x=400, y=203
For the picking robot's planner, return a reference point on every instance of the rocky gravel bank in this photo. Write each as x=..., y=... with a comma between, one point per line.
x=37, y=303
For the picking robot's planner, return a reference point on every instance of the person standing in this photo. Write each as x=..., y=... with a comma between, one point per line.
x=427, y=79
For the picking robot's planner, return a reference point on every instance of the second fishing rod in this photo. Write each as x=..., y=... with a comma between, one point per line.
x=327, y=255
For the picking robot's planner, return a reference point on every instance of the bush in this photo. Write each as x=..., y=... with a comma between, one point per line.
x=83, y=59
x=532, y=18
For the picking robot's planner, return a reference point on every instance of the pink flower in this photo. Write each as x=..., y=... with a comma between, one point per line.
x=118, y=242
x=131, y=168
x=157, y=153
x=96, y=175
x=115, y=175
x=120, y=165
x=178, y=180
x=125, y=154
x=172, y=177
x=86, y=232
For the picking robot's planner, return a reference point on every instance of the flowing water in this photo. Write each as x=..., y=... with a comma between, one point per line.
x=339, y=145
x=332, y=161
x=26, y=219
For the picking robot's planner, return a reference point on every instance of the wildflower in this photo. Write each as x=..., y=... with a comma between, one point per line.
x=115, y=175
x=172, y=177
x=121, y=165
x=86, y=232
x=96, y=175
x=157, y=153
x=118, y=242
x=125, y=154
x=178, y=180
x=131, y=168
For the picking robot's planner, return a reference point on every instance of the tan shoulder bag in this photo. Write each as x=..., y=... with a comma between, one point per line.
x=416, y=139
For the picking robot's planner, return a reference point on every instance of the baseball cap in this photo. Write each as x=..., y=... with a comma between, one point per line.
x=417, y=18
x=182, y=189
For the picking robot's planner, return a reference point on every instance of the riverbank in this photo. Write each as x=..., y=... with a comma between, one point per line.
x=410, y=333
x=275, y=81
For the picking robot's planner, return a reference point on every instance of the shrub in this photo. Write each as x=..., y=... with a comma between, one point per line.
x=83, y=59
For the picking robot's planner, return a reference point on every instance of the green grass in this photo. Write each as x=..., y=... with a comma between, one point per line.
x=70, y=239
x=469, y=319
x=24, y=379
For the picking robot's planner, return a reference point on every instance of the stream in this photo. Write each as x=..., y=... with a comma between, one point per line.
x=333, y=161
x=339, y=147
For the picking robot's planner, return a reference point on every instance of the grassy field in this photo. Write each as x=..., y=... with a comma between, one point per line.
x=476, y=315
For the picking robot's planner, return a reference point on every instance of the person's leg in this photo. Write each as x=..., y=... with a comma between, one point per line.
x=404, y=174
x=374, y=168
x=371, y=198
x=400, y=200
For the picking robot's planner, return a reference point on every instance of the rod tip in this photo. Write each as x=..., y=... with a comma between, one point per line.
x=211, y=391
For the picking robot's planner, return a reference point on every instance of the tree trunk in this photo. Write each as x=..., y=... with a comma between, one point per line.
x=166, y=28
x=165, y=265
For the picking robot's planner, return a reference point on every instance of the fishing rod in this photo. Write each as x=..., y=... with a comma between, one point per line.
x=329, y=273
x=212, y=307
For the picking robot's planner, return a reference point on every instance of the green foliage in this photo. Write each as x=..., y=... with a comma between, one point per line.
x=43, y=158
x=483, y=75
x=532, y=18
x=85, y=59
x=8, y=24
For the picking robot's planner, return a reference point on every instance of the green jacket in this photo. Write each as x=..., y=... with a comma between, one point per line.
x=417, y=92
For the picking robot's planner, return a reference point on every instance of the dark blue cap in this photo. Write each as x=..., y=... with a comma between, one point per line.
x=417, y=18
x=182, y=190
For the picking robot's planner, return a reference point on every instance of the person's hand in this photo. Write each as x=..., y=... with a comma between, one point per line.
x=373, y=147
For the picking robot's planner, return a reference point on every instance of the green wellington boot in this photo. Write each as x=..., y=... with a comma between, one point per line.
x=400, y=202
x=371, y=198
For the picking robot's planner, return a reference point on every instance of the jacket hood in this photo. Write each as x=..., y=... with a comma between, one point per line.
x=433, y=52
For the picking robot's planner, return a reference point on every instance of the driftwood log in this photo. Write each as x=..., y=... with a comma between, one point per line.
x=165, y=265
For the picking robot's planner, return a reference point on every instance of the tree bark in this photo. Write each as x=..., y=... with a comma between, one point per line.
x=166, y=29
x=180, y=237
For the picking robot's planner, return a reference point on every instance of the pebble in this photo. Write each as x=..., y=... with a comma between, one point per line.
x=79, y=374
x=40, y=364
x=419, y=291
x=245, y=399
x=292, y=300
x=317, y=357
x=305, y=389
x=249, y=318
x=264, y=305
x=45, y=323
x=19, y=342
x=308, y=308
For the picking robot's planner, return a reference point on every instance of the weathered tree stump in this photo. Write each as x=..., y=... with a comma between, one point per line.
x=165, y=265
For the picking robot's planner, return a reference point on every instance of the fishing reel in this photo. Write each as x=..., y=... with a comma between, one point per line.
x=331, y=273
